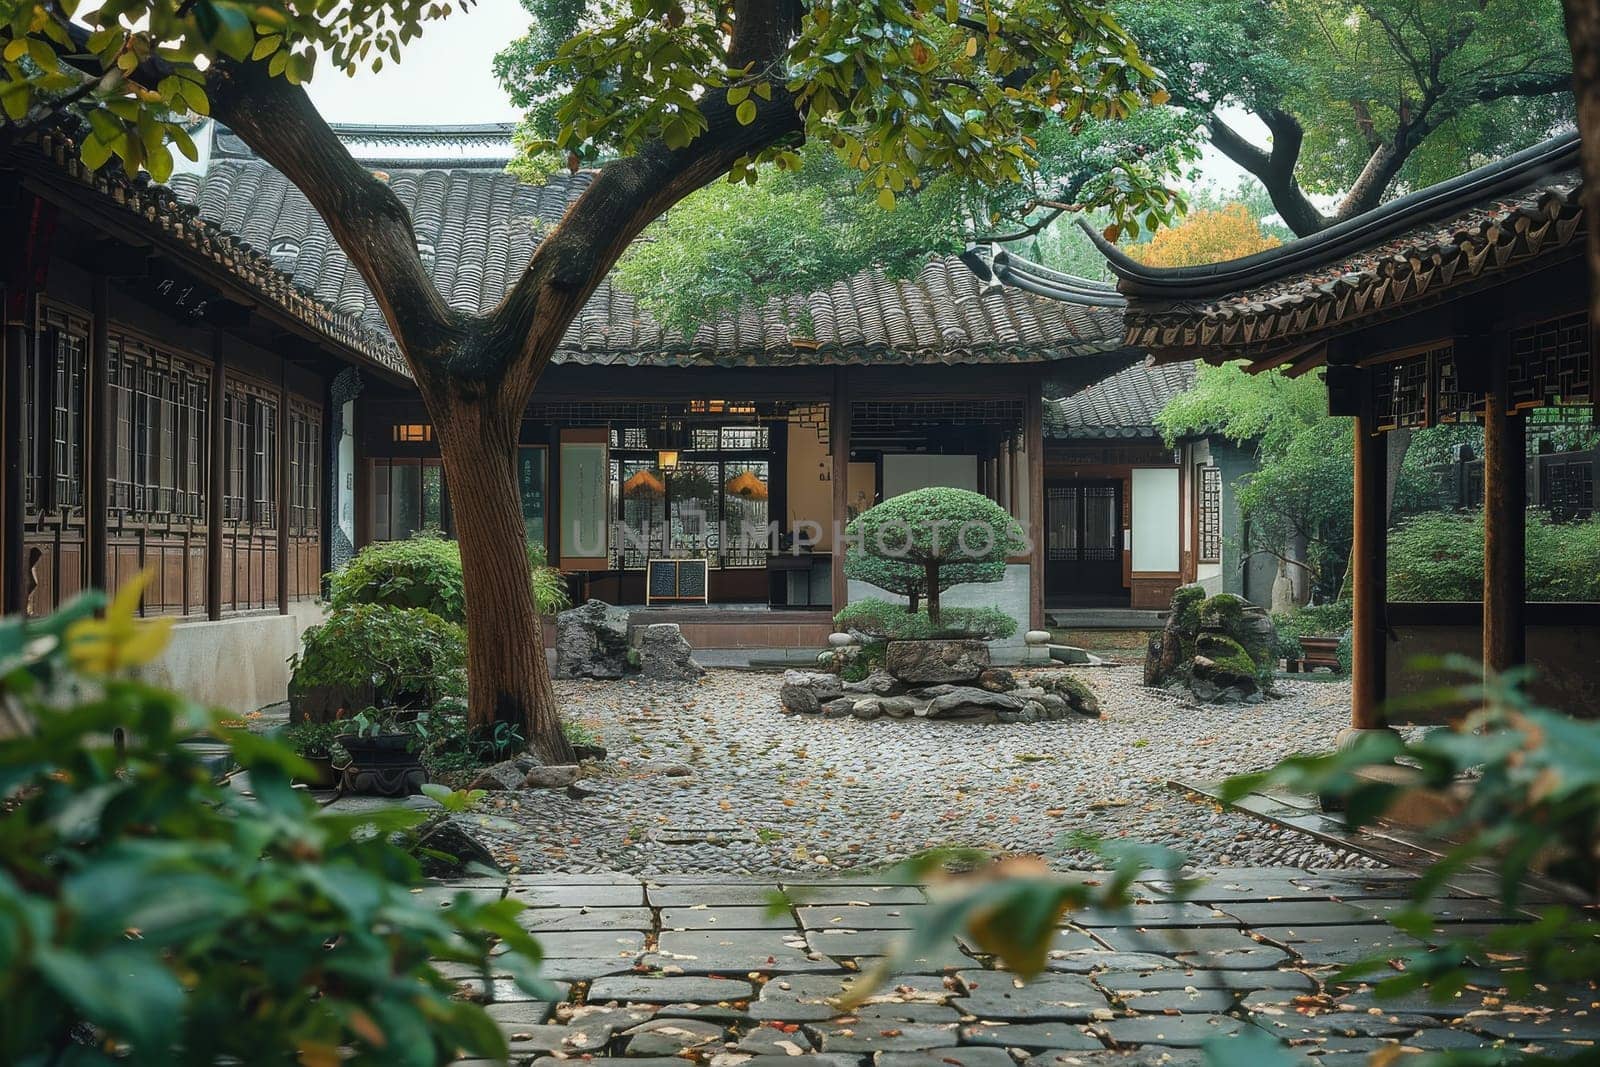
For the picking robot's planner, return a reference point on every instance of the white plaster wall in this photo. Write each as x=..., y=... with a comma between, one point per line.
x=239, y=664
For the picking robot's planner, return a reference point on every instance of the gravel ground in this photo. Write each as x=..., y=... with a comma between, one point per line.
x=714, y=778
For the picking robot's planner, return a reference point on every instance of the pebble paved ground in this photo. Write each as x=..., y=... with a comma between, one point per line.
x=669, y=971
x=714, y=778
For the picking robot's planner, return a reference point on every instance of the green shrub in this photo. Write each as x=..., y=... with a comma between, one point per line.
x=868, y=658
x=312, y=739
x=150, y=915
x=421, y=572
x=919, y=544
x=424, y=571
x=881, y=619
x=1439, y=556
x=410, y=657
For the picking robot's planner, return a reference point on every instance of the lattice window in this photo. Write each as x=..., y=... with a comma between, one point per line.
x=873, y=416
x=160, y=431
x=1210, y=518
x=1452, y=403
x=250, y=423
x=305, y=466
x=1551, y=363
x=1567, y=489
x=1400, y=393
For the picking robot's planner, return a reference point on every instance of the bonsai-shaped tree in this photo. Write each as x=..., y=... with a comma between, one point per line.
x=919, y=544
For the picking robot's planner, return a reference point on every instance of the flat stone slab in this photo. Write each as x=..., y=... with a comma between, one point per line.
x=543, y=920
x=1170, y=1031
x=712, y=894
x=1342, y=944
x=999, y=996
x=1178, y=913
x=591, y=944
x=551, y=1038
x=578, y=896
x=940, y=1057
x=1156, y=981
x=721, y=918
x=734, y=952
x=1031, y=1036
x=1184, y=1001
x=870, y=1037
x=1211, y=946
x=854, y=917
x=805, y=894
x=671, y=1037
x=862, y=944
x=1089, y=961
x=1065, y=940
x=668, y=989
x=1153, y=1057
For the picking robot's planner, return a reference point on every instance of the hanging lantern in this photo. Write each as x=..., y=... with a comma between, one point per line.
x=667, y=460
x=746, y=484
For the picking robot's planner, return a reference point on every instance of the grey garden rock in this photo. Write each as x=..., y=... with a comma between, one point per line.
x=964, y=701
x=1219, y=650
x=592, y=641
x=804, y=691
x=555, y=777
x=640, y=989
x=671, y=1037
x=925, y=662
x=507, y=774
x=665, y=656
x=878, y=683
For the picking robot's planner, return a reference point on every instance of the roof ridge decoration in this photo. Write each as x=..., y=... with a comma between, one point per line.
x=996, y=266
x=1511, y=174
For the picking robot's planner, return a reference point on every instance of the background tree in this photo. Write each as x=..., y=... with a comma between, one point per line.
x=661, y=96
x=1360, y=98
x=1206, y=235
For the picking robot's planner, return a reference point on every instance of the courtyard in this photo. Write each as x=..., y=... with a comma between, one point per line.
x=714, y=777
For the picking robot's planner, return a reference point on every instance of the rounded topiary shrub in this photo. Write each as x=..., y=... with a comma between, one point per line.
x=921, y=543
x=891, y=622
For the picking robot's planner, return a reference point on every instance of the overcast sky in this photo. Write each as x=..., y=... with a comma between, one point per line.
x=447, y=76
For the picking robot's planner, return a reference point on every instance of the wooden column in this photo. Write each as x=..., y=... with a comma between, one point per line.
x=1033, y=441
x=281, y=461
x=1369, y=580
x=1002, y=465
x=839, y=449
x=12, y=437
x=1504, y=523
x=97, y=482
x=217, y=480
x=1014, y=463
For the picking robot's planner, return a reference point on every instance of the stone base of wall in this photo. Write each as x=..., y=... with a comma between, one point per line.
x=239, y=664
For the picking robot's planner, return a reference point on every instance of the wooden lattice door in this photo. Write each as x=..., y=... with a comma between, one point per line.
x=1083, y=538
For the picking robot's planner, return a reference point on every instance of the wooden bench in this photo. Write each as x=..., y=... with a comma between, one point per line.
x=1316, y=652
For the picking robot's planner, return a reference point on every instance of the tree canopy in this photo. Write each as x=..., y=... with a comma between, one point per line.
x=1206, y=235
x=1359, y=98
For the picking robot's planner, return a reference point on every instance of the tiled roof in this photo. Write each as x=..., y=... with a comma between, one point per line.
x=479, y=227
x=1490, y=223
x=159, y=214
x=1124, y=405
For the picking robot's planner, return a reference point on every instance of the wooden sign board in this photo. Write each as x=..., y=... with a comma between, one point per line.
x=585, y=464
x=676, y=581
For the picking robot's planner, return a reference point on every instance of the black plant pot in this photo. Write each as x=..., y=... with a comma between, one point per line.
x=382, y=765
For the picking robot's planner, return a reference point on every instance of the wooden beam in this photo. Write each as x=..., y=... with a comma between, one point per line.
x=839, y=449
x=217, y=479
x=1504, y=518
x=1369, y=578
x=1014, y=478
x=1033, y=431
x=100, y=426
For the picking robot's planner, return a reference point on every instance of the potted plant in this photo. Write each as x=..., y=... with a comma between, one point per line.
x=315, y=742
x=383, y=758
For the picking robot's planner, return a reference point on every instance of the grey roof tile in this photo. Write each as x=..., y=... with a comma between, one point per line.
x=1123, y=405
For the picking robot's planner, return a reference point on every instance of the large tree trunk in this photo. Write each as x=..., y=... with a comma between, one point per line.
x=1583, y=35
x=508, y=677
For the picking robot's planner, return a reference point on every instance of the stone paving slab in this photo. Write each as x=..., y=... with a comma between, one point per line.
x=662, y=977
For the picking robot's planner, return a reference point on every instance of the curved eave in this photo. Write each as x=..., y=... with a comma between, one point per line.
x=1053, y=284
x=1351, y=237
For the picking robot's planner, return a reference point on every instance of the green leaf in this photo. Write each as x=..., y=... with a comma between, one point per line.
x=746, y=112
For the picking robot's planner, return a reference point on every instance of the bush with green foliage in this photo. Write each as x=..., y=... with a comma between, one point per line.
x=881, y=619
x=950, y=536
x=151, y=915
x=424, y=571
x=409, y=656
x=314, y=740
x=1439, y=556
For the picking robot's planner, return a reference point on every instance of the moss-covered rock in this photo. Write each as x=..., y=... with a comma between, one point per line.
x=1220, y=649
